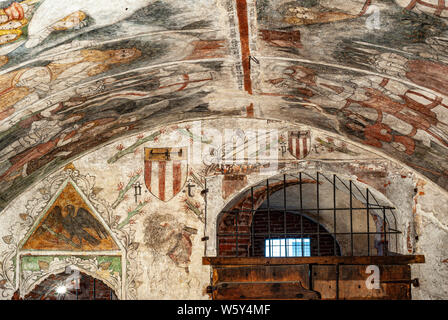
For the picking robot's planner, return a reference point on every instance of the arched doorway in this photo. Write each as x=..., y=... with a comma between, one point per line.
x=71, y=285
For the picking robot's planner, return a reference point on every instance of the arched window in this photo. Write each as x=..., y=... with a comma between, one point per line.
x=288, y=234
x=303, y=215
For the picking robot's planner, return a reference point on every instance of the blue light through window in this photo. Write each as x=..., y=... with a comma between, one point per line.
x=290, y=247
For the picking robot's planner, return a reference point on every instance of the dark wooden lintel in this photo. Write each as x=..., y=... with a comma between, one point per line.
x=366, y=260
x=290, y=290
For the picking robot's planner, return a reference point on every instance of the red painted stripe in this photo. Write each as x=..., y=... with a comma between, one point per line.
x=384, y=82
x=250, y=110
x=185, y=84
x=440, y=8
x=297, y=148
x=241, y=8
x=305, y=146
x=290, y=144
x=6, y=90
x=177, y=177
x=365, y=7
x=434, y=102
x=148, y=172
x=162, y=173
x=412, y=5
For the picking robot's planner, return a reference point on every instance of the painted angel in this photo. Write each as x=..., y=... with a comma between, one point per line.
x=44, y=17
x=13, y=19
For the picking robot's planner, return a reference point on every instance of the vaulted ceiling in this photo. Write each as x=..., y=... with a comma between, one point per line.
x=76, y=74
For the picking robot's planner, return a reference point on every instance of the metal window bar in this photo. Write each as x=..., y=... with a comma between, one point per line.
x=281, y=245
x=334, y=216
x=301, y=207
x=280, y=234
x=351, y=218
x=252, y=225
x=284, y=208
x=385, y=235
x=236, y=229
x=377, y=204
x=322, y=175
x=269, y=214
x=318, y=214
x=368, y=222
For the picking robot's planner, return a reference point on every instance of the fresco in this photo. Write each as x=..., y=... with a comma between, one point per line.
x=153, y=247
x=69, y=225
x=370, y=70
x=101, y=91
x=75, y=74
x=164, y=234
x=33, y=25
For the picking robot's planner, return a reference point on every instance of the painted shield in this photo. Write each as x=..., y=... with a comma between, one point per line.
x=299, y=143
x=166, y=171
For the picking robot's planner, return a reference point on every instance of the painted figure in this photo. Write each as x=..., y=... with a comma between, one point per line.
x=434, y=7
x=12, y=20
x=324, y=11
x=53, y=15
x=373, y=105
x=165, y=235
x=19, y=89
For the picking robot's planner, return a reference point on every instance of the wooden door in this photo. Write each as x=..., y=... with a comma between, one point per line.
x=327, y=278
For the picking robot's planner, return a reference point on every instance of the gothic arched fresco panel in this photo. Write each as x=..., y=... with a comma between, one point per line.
x=69, y=225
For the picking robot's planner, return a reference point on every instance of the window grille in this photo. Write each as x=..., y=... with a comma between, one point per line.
x=256, y=226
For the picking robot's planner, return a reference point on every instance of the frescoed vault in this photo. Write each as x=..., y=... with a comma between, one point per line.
x=89, y=88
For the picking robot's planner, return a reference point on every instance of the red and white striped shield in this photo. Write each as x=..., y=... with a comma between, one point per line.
x=166, y=171
x=299, y=144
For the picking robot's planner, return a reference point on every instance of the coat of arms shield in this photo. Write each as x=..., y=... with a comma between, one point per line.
x=166, y=171
x=299, y=143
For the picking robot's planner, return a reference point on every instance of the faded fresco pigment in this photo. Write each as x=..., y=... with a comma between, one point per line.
x=113, y=119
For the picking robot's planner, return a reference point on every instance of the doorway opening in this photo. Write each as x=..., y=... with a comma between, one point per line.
x=71, y=285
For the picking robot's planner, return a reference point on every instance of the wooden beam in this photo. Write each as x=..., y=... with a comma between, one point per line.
x=365, y=260
x=291, y=290
x=262, y=273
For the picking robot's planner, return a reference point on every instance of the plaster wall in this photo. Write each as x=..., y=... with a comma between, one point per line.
x=161, y=241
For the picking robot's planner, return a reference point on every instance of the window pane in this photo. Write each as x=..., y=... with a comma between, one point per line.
x=291, y=247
